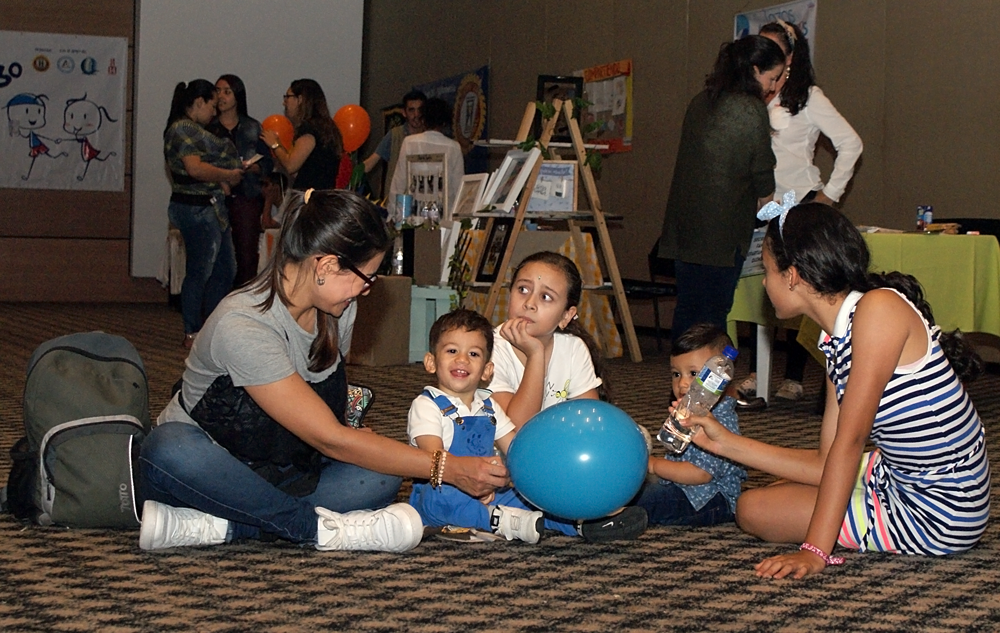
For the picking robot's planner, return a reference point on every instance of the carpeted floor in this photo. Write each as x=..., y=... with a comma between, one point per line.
x=669, y=579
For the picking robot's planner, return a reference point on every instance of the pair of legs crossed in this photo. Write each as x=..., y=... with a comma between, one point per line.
x=181, y=466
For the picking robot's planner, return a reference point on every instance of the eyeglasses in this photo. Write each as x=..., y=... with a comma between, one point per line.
x=369, y=281
x=287, y=97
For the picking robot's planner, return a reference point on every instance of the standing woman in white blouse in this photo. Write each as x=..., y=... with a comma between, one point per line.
x=799, y=113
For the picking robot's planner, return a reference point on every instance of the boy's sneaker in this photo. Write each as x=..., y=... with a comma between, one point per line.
x=790, y=390
x=748, y=388
x=515, y=523
x=627, y=525
x=164, y=526
x=396, y=528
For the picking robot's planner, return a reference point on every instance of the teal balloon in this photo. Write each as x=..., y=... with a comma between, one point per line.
x=580, y=459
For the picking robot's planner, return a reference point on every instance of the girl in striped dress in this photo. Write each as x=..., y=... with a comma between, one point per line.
x=895, y=379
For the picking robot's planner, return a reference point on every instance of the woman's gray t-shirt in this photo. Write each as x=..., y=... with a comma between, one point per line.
x=252, y=347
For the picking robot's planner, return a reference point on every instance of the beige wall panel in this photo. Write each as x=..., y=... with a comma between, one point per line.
x=71, y=270
x=110, y=18
x=942, y=91
x=95, y=224
x=55, y=213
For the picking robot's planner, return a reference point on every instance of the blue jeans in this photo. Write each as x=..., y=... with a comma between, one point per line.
x=181, y=466
x=666, y=504
x=704, y=294
x=210, y=266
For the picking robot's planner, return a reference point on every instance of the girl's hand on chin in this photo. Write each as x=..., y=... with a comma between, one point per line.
x=515, y=331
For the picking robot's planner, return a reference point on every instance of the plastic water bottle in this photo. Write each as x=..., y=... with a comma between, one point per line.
x=704, y=392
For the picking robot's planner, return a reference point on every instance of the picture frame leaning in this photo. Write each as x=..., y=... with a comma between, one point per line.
x=493, y=250
x=556, y=187
x=470, y=195
x=509, y=181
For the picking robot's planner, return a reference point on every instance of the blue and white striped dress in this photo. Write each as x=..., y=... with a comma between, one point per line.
x=926, y=487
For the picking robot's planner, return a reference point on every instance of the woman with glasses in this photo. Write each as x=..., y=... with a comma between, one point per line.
x=316, y=159
x=253, y=445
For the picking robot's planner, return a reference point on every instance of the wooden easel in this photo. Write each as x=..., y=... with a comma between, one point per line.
x=593, y=216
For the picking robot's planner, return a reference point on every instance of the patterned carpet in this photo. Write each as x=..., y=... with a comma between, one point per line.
x=670, y=579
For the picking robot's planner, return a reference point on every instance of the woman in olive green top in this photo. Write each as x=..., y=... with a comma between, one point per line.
x=724, y=172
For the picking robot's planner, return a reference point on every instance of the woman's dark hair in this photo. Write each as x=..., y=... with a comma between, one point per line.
x=830, y=255
x=436, y=113
x=239, y=92
x=184, y=97
x=574, y=284
x=333, y=222
x=734, y=67
x=314, y=112
x=801, y=76
x=701, y=335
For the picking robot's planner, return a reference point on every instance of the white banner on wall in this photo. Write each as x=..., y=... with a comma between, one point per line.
x=801, y=13
x=64, y=100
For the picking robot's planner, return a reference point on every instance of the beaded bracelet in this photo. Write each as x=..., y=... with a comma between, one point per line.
x=829, y=560
x=440, y=477
x=437, y=467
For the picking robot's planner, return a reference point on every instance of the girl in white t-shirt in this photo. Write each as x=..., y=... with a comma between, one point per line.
x=543, y=356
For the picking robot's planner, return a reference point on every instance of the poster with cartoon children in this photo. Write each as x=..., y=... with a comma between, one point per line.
x=63, y=97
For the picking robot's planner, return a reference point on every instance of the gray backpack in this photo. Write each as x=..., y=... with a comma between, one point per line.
x=86, y=410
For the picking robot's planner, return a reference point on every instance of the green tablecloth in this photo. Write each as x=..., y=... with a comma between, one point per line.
x=960, y=275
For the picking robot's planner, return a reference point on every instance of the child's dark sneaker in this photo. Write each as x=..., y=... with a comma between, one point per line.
x=627, y=525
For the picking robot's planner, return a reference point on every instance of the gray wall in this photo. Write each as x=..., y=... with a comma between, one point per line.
x=914, y=78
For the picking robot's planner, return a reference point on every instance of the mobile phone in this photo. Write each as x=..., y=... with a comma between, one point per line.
x=359, y=400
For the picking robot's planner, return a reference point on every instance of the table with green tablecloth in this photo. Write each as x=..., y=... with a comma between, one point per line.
x=960, y=275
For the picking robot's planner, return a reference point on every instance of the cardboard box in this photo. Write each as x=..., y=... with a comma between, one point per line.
x=382, y=328
x=422, y=257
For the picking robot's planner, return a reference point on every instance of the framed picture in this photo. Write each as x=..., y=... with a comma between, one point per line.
x=551, y=87
x=509, y=180
x=493, y=249
x=470, y=192
x=555, y=189
x=427, y=181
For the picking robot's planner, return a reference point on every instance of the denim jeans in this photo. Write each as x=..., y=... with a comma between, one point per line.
x=704, y=294
x=666, y=504
x=181, y=466
x=210, y=266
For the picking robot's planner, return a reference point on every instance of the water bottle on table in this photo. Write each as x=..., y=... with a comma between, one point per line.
x=704, y=392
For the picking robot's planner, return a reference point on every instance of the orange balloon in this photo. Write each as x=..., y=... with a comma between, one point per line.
x=282, y=126
x=354, y=125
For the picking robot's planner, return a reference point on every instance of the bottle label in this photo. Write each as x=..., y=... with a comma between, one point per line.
x=712, y=382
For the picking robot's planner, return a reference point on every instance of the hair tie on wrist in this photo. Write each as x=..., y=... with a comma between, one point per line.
x=306, y=195
x=829, y=560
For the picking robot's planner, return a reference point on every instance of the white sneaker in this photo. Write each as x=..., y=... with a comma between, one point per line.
x=649, y=439
x=164, y=526
x=396, y=528
x=748, y=388
x=515, y=523
x=790, y=390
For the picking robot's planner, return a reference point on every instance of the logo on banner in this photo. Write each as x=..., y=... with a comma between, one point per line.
x=66, y=64
x=88, y=66
x=469, y=116
x=41, y=63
